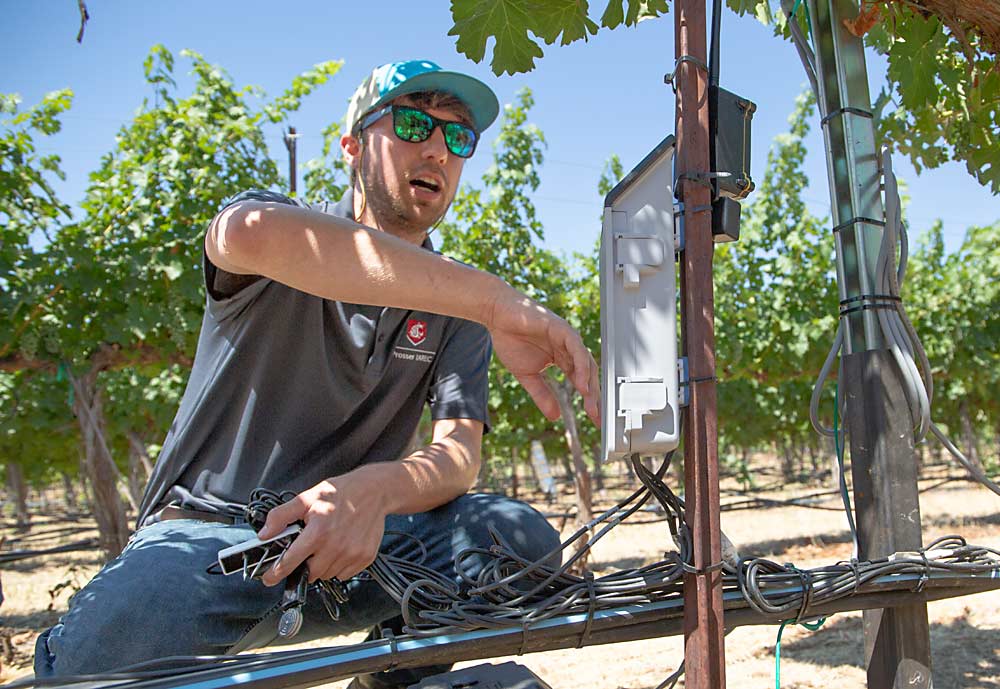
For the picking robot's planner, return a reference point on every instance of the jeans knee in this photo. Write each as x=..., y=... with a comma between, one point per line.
x=44, y=660
x=523, y=528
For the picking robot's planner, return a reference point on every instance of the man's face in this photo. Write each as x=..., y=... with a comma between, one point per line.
x=408, y=186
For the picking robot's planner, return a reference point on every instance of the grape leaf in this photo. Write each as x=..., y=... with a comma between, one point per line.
x=507, y=22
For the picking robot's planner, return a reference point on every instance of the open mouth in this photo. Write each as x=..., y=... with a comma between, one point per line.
x=425, y=184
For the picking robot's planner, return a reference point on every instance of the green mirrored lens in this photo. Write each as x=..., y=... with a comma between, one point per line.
x=412, y=125
x=460, y=139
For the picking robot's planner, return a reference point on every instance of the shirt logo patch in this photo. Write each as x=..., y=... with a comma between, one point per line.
x=416, y=331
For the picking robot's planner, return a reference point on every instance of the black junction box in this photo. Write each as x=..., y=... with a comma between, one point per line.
x=507, y=675
x=725, y=220
x=729, y=122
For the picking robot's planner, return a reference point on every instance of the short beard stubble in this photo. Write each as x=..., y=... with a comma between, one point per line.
x=391, y=212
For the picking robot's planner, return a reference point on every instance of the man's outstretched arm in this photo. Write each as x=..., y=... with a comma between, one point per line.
x=338, y=259
x=345, y=515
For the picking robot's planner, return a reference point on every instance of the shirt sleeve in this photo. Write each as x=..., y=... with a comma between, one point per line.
x=228, y=293
x=460, y=387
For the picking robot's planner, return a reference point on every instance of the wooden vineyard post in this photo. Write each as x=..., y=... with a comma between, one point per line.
x=704, y=643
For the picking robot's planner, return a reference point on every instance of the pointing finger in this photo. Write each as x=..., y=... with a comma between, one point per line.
x=541, y=394
x=592, y=402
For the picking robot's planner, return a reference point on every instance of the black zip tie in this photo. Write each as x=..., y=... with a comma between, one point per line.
x=669, y=78
x=691, y=569
x=388, y=635
x=861, y=297
x=524, y=637
x=857, y=575
x=702, y=178
x=855, y=221
x=807, y=590
x=696, y=209
x=699, y=379
x=588, y=578
x=868, y=307
x=878, y=299
x=844, y=111
x=924, y=575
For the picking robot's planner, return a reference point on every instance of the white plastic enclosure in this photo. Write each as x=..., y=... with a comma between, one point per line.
x=639, y=311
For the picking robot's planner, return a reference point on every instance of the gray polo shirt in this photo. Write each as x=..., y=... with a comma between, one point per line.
x=288, y=389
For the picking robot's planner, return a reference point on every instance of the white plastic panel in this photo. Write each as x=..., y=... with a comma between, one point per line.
x=639, y=312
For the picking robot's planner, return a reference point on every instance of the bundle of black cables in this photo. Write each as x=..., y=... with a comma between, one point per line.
x=261, y=502
x=512, y=591
x=785, y=590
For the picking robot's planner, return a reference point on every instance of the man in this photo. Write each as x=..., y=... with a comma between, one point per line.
x=323, y=338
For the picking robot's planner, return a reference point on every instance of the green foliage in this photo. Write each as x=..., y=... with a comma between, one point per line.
x=495, y=229
x=37, y=428
x=941, y=100
x=327, y=176
x=122, y=285
x=145, y=214
x=28, y=205
x=954, y=303
x=775, y=302
x=125, y=277
x=611, y=174
x=143, y=404
x=302, y=85
x=517, y=26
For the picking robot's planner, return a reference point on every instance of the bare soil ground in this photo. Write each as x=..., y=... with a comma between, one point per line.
x=965, y=632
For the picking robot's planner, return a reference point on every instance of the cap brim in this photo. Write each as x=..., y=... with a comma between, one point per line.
x=480, y=99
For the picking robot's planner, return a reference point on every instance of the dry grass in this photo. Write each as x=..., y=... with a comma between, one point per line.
x=965, y=632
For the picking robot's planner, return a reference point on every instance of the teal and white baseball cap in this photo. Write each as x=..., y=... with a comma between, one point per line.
x=396, y=79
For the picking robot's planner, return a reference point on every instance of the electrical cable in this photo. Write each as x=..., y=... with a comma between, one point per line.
x=162, y=667
x=713, y=53
x=671, y=681
x=801, y=43
x=811, y=626
x=898, y=333
x=842, y=478
x=773, y=589
x=510, y=590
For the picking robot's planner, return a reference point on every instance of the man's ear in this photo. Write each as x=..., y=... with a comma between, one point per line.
x=350, y=148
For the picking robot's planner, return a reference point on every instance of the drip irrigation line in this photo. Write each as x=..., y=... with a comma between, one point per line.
x=45, y=535
x=18, y=555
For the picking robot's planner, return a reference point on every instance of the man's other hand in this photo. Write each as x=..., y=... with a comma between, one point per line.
x=528, y=338
x=344, y=523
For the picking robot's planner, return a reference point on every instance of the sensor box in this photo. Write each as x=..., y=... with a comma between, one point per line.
x=639, y=311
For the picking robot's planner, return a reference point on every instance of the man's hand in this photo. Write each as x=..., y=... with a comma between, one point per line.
x=528, y=338
x=344, y=523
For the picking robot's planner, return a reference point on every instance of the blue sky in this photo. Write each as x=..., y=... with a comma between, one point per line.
x=606, y=96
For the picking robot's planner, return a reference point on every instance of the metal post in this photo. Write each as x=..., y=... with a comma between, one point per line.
x=290, y=139
x=897, y=640
x=704, y=635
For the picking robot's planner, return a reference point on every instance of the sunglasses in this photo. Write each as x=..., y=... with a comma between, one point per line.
x=413, y=125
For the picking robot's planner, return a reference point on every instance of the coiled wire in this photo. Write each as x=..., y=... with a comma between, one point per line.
x=512, y=591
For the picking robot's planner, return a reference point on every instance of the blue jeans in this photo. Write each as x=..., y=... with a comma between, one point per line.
x=156, y=599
